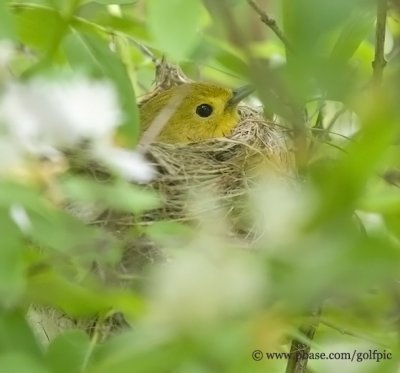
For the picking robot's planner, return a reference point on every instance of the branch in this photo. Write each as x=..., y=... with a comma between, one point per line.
x=271, y=23
x=379, y=62
x=299, y=349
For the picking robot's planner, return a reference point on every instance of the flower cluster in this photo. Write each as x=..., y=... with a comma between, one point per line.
x=42, y=117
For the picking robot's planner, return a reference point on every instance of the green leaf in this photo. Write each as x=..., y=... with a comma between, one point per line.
x=67, y=351
x=46, y=287
x=53, y=230
x=126, y=24
x=112, y=67
x=12, y=276
x=387, y=202
x=350, y=174
x=120, y=195
x=16, y=336
x=306, y=22
x=356, y=29
x=38, y=27
x=49, y=288
x=175, y=25
x=110, y=2
x=7, y=29
x=18, y=362
x=169, y=232
x=27, y=196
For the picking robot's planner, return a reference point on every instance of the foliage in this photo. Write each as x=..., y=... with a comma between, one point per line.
x=328, y=247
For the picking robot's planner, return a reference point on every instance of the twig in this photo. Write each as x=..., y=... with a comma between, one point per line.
x=299, y=350
x=379, y=62
x=396, y=301
x=272, y=89
x=351, y=333
x=337, y=115
x=271, y=23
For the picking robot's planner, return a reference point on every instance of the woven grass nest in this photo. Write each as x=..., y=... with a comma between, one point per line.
x=222, y=169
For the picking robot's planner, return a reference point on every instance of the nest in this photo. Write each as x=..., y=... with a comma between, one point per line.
x=222, y=169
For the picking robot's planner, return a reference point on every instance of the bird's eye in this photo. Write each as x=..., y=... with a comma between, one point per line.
x=204, y=110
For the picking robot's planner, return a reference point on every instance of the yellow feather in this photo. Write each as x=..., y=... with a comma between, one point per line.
x=185, y=124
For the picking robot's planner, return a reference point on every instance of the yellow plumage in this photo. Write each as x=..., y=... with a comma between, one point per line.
x=192, y=112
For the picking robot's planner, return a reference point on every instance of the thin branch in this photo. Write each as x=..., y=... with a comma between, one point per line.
x=336, y=116
x=379, y=62
x=351, y=333
x=299, y=350
x=271, y=23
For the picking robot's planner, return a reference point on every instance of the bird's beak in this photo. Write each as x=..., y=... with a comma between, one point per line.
x=239, y=94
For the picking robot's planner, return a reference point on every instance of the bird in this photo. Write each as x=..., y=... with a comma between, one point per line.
x=193, y=112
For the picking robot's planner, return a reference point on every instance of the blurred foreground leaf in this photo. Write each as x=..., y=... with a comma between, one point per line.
x=12, y=278
x=113, y=68
x=119, y=195
x=48, y=288
x=67, y=352
x=17, y=337
x=177, y=39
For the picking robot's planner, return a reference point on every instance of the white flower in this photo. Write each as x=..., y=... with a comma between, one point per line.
x=42, y=117
x=7, y=51
x=130, y=165
x=201, y=286
x=61, y=114
x=10, y=156
x=280, y=208
x=20, y=217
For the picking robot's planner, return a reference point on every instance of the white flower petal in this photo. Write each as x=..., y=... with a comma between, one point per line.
x=129, y=164
x=7, y=51
x=20, y=217
x=42, y=114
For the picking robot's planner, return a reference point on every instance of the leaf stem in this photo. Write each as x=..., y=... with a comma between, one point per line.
x=271, y=23
x=300, y=349
x=379, y=62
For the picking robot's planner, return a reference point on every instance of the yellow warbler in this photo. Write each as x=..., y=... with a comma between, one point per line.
x=193, y=111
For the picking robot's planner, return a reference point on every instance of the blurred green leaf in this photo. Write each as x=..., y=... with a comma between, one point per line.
x=354, y=31
x=232, y=63
x=341, y=184
x=169, y=233
x=38, y=27
x=53, y=230
x=119, y=195
x=392, y=221
x=307, y=22
x=17, y=337
x=67, y=352
x=126, y=24
x=20, y=362
x=47, y=287
x=175, y=25
x=113, y=68
x=224, y=347
x=79, y=56
x=110, y=2
x=24, y=195
x=385, y=201
x=12, y=268
x=7, y=29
